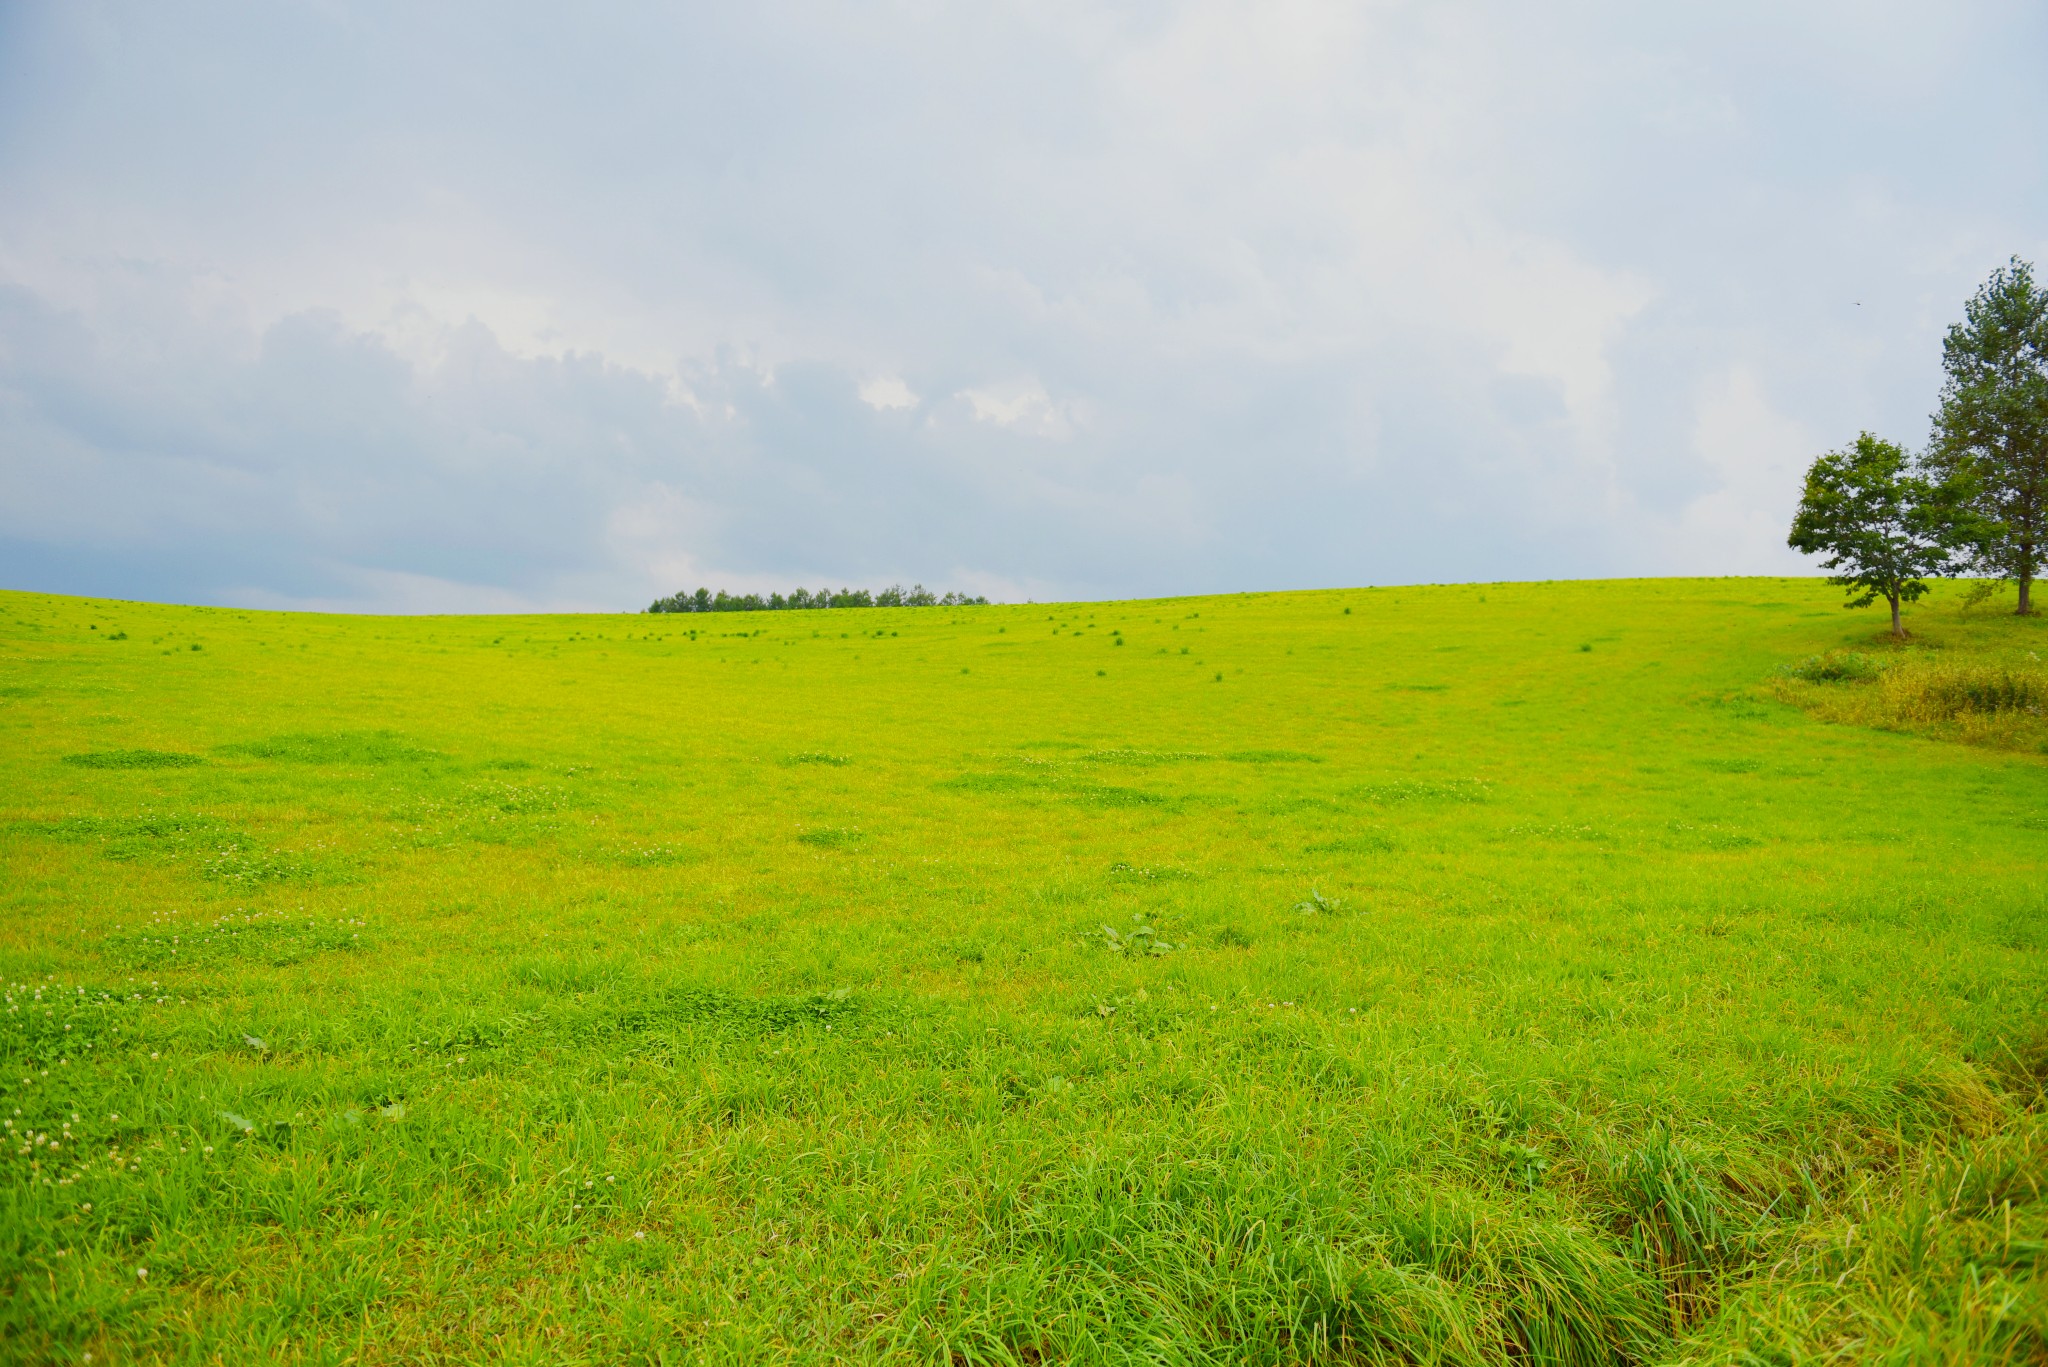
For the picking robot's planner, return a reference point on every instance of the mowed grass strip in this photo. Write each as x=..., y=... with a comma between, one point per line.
x=1572, y=973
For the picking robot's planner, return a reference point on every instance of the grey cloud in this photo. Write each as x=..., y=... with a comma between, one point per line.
x=340, y=303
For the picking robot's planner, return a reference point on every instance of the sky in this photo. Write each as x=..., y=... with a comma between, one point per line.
x=507, y=306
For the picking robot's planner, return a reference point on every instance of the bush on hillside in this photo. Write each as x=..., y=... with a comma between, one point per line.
x=1836, y=667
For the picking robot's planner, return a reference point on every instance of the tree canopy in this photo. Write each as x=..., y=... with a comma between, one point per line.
x=1991, y=433
x=895, y=596
x=1882, y=524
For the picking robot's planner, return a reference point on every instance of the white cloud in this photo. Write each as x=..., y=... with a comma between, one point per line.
x=1757, y=457
x=1024, y=405
x=886, y=392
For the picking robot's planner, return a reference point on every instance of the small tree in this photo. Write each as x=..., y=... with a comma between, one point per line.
x=1992, y=431
x=1883, y=526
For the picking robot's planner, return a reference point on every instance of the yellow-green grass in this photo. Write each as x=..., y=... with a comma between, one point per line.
x=1459, y=974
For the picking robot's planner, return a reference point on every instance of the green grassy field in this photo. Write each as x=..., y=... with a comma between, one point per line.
x=1467, y=975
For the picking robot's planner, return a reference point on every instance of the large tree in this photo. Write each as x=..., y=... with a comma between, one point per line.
x=1992, y=430
x=1882, y=524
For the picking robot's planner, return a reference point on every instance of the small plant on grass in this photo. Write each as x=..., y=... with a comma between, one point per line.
x=1835, y=667
x=1316, y=902
x=1141, y=940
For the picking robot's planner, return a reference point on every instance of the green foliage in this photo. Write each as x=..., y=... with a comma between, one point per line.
x=1836, y=666
x=896, y=596
x=1991, y=433
x=1880, y=525
x=1138, y=938
x=1317, y=903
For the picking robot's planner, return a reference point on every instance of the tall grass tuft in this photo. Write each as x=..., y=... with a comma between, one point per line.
x=1991, y=702
x=1683, y=1227
x=1943, y=692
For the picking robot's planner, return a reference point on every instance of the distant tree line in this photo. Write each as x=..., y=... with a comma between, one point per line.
x=1976, y=500
x=895, y=596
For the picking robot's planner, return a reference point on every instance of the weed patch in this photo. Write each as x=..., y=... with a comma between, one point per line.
x=1056, y=781
x=147, y=835
x=751, y=1017
x=1140, y=939
x=659, y=855
x=1989, y=702
x=1420, y=791
x=1145, y=874
x=831, y=838
x=51, y=1024
x=272, y=938
x=238, y=861
x=331, y=747
x=1836, y=666
x=134, y=759
x=1355, y=842
x=1143, y=758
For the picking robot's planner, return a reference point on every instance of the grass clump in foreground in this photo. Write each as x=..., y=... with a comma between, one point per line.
x=596, y=989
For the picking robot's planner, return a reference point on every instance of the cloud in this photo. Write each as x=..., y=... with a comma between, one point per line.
x=887, y=391
x=1023, y=405
x=377, y=305
x=1758, y=457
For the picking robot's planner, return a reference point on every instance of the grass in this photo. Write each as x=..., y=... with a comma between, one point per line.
x=1969, y=677
x=1565, y=973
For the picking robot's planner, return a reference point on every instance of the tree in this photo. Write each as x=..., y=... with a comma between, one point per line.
x=1882, y=524
x=1991, y=433
x=704, y=600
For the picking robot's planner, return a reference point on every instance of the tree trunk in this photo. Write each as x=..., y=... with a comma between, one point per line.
x=2026, y=607
x=1898, y=631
